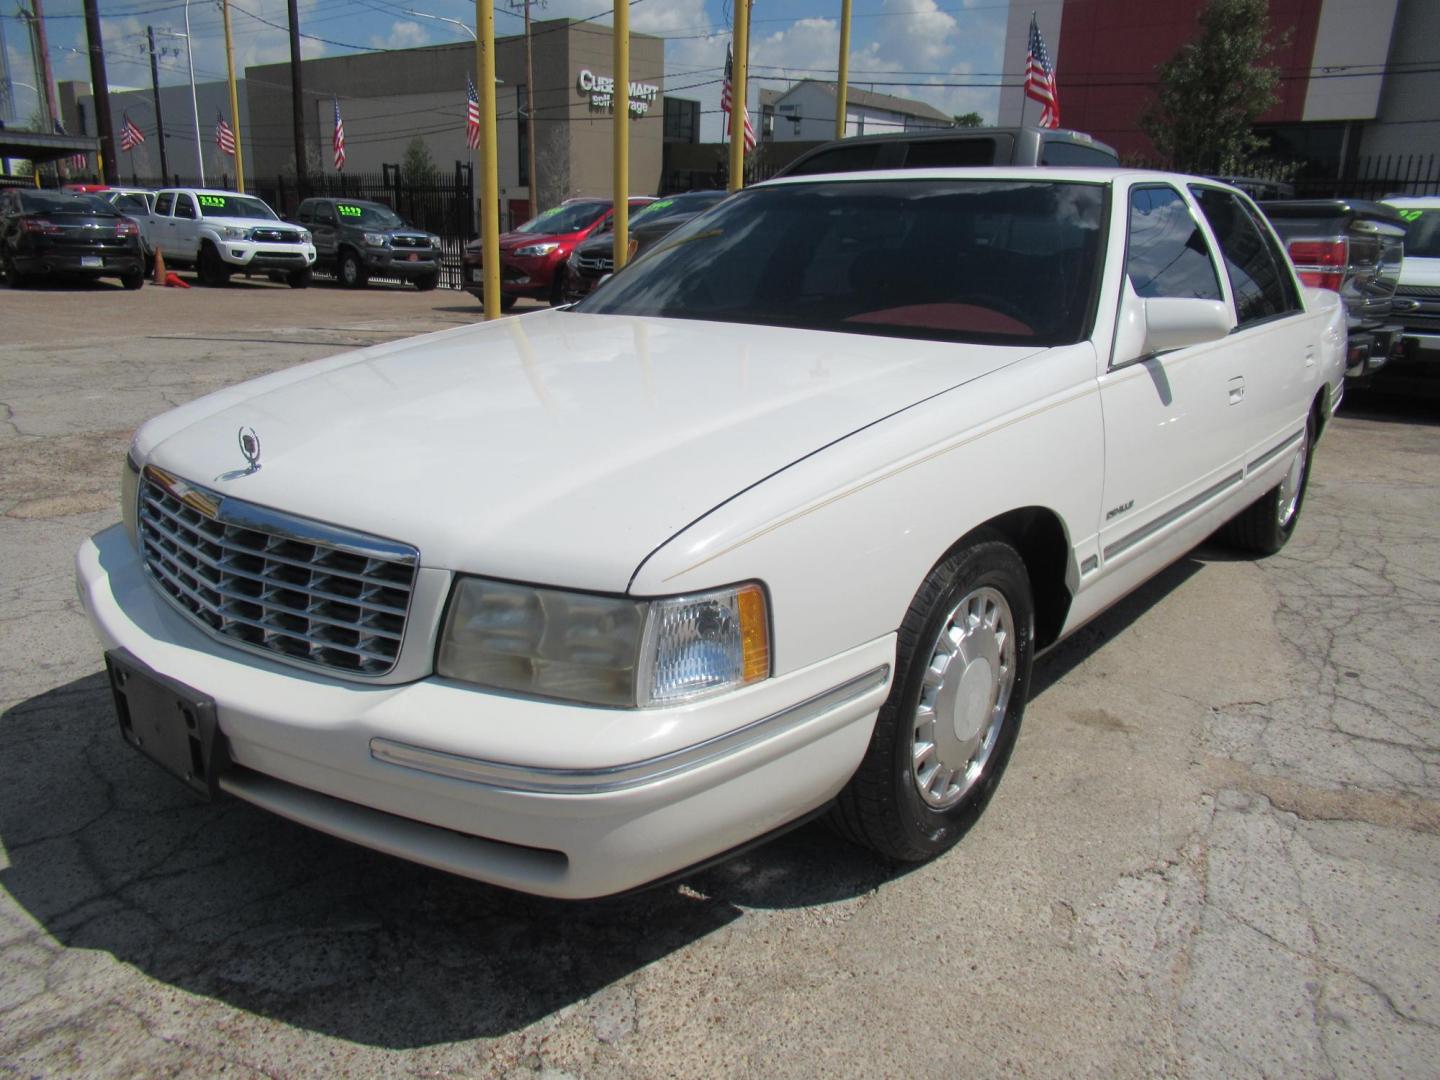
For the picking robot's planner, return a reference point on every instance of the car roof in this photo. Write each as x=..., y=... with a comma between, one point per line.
x=1416, y=202
x=1072, y=173
x=211, y=191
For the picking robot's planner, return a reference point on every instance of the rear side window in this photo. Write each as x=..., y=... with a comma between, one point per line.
x=943, y=153
x=163, y=202
x=1166, y=254
x=1258, y=275
x=858, y=158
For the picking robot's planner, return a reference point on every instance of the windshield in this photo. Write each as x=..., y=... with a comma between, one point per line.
x=369, y=214
x=131, y=203
x=1006, y=261
x=675, y=205
x=567, y=218
x=1422, y=233
x=237, y=206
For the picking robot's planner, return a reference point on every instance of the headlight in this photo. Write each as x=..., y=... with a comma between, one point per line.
x=435, y=242
x=305, y=236
x=130, y=498
x=536, y=249
x=375, y=239
x=605, y=650
x=234, y=232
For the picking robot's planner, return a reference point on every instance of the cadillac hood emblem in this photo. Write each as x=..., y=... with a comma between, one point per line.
x=250, y=447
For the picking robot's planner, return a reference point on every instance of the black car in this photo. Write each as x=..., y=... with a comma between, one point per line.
x=46, y=233
x=357, y=240
x=594, y=258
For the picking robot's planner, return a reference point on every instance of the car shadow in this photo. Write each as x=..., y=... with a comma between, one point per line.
x=226, y=901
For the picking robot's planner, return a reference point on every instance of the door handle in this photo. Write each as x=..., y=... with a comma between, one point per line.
x=1237, y=389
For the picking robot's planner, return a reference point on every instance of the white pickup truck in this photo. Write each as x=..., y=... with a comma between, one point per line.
x=772, y=524
x=224, y=232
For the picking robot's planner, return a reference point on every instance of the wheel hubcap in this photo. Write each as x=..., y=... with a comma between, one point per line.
x=1289, y=501
x=963, y=699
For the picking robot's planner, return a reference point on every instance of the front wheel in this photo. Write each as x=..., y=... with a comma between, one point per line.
x=298, y=279
x=944, y=735
x=212, y=268
x=427, y=282
x=351, y=271
x=1267, y=525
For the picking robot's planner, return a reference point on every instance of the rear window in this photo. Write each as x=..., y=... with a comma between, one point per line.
x=65, y=202
x=999, y=261
x=1060, y=152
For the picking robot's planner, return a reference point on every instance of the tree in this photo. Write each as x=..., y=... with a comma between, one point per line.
x=1214, y=89
x=418, y=167
x=969, y=119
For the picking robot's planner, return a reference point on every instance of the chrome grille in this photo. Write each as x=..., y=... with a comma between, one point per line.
x=595, y=265
x=303, y=591
x=402, y=241
x=275, y=236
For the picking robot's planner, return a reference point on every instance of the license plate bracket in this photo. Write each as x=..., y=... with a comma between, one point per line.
x=172, y=724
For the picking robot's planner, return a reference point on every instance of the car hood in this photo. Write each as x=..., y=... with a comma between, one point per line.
x=556, y=447
x=251, y=223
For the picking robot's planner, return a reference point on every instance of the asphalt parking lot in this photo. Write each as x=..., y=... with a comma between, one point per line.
x=1216, y=852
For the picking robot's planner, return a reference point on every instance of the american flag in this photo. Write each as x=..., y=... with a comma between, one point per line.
x=338, y=141
x=472, y=115
x=726, y=103
x=1040, y=78
x=130, y=134
x=224, y=137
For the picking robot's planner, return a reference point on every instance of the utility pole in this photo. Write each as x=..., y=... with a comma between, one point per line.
x=49, y=110
x=530, y=127
x=159, y=118
x=297, y=102
x=489, y=175
x=100, y=91
x=842, y=83
x=234, y=99
x=620, y=146
x=741, y=54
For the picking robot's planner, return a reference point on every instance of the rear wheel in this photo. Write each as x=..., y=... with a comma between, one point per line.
x=134, y=279
x=1268, y=524
x=944, y=736
x=351, y=271
x=298, y=279
x=13, y=277
x=212, y=268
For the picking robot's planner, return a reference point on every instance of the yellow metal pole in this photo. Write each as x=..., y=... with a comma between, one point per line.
x=842, y=84
x=737, y=94
x=489, y=166
x=234, y=101
x=620, y=151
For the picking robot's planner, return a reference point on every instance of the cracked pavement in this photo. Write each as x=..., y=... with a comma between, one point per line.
x=1216, y=852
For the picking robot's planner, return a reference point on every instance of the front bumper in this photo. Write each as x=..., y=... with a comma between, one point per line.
x=249, y=255
x=404, y=263
x=542, y=797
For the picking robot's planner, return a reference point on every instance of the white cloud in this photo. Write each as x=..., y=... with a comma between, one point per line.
x=404, y=34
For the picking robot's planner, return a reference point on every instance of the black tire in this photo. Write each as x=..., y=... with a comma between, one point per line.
x=427, y=282
x=350, y=270
x=212, y=268
x=133, y=280
x=1262, y=528
x=13, y=276
x=279, y=277
x=557, y=289
x=507, y=302
x=298, y=279
x=882, y=807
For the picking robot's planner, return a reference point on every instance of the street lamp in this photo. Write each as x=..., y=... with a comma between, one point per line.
x=441, y=18
x=194, y=104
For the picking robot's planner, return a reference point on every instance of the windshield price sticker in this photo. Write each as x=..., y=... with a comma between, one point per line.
x=1410, y=215
x=349, y=211
x=213, y=200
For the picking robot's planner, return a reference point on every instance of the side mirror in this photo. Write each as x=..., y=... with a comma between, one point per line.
x=1159, y=324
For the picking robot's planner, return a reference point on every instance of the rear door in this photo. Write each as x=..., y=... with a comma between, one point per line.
x=326, y=230
x=1274, y=345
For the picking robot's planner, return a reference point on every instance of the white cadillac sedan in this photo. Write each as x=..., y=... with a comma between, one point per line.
x=770, y=526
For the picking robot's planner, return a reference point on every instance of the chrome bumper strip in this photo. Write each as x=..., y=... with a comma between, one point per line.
x=1274, y=452
x=548, y=781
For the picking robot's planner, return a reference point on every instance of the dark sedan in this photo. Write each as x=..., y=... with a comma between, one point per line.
x=45, y=233
x=594, y=258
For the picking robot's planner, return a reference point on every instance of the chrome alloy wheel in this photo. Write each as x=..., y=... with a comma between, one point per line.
x=1288, y=500
x=963, y=698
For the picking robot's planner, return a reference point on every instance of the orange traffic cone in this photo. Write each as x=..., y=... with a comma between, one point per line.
x=159, y=274
x=174, y=280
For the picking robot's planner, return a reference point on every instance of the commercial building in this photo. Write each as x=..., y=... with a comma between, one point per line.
x=806, y=113
x=1356, y=79
x=387, y=99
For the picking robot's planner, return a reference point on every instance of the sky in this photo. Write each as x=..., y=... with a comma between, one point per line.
x=944, y=52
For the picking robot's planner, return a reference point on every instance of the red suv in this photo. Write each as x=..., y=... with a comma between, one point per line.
x=532, y=258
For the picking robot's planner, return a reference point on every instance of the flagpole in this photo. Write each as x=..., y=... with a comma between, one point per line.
x=194, y=105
